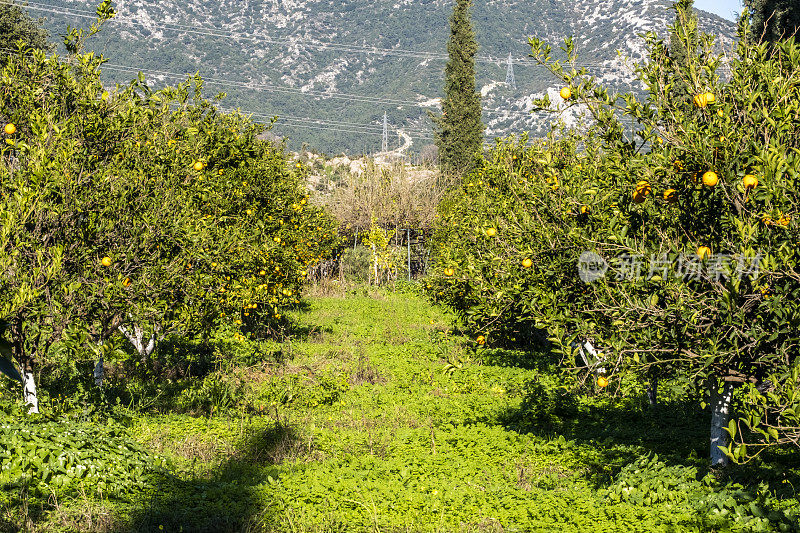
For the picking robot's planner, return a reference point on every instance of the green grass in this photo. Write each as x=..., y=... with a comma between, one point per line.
x=379, y=418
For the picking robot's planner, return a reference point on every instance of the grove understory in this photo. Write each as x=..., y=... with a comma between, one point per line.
x=376, y=414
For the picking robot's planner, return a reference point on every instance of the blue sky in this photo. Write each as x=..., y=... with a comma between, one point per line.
x=723, y=8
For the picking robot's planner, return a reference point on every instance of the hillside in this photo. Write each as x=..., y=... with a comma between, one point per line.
x=271, y=57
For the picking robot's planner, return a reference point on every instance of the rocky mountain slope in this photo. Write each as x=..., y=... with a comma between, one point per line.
x=330, y=70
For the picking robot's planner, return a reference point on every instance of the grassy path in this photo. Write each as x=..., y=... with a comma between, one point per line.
x=379, y=419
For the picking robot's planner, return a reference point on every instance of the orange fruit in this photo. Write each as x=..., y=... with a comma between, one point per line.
x=198, y=166
x=584, y=209
x=643, y=187
x=106, y=261
x=602, y=382
x=449, y=272
x=481, y=340
x=750, y=182
x=527, y=263
x=701, y=100
x=639, y=197
x=670, y=196
x=703, y=252
x=720, y=113
x=126, y=282
x=10, y=129
x=710, y=178
x=710, y=98
x=491, y=232
x=566, y=93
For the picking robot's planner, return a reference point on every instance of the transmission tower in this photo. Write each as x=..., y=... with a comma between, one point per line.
x=510, y=81
x=385, y=145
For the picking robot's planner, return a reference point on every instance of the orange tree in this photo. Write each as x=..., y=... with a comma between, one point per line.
x=694, y=216
x=143, y=210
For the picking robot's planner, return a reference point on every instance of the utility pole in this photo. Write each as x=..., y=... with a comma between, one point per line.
x=385, y=145
x=510, y=81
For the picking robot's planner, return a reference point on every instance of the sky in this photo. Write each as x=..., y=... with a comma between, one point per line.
x=723, y=8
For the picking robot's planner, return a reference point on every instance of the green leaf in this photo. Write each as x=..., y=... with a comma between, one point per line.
x=731, y=429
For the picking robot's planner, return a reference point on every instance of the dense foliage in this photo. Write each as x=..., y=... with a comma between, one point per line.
x=17, y=27
x=459, y=131
x=689, y=222
x=774, y=19
x=142, y=211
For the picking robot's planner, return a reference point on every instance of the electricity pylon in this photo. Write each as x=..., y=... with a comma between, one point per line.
x=510, y=81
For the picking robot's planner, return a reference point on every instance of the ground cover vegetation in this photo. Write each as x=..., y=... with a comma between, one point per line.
x=378, y=416
x=690, y=219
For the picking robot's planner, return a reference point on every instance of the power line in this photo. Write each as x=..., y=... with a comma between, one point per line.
x=49, y=8
x=292, y=90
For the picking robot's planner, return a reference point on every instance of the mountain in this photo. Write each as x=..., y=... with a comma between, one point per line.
x=331, y=69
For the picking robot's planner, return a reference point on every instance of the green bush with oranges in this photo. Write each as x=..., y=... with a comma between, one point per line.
x=139, y=211
x=693, y=211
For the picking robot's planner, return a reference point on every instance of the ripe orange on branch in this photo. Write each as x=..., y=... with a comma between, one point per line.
x=703, y=252
x=491, y=232
x=449, y=272
x=750, y=182
x=670, y=196
x=481, y=340
x=10, y=129
x=701, y=100
x=602, y=382
x=527, y=263
x=565, y=93
x=106, y=261
x=710, y=179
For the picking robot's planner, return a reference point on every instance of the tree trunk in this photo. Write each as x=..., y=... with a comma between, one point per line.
x=652, y=392
x=137, y=338
x=720, y=416
x=99, y=372
x=29, y=393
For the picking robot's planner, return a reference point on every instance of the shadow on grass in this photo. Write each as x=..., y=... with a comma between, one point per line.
x=236, y=496
x=542, y=359
x=618, y=432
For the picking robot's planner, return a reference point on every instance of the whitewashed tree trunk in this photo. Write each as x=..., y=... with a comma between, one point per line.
x=144, y=347
x=29, y=394
x=720, y=416
x=587, y=349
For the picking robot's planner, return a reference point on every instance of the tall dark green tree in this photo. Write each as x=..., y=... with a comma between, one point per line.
x=683, y=44
x=459, y=130
x=775, y=19
x=16, y=25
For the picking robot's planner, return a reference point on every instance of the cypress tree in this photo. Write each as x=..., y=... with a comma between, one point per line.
x=16, y=25
x=775, y=19
x=682, y=45
x=459, y=131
